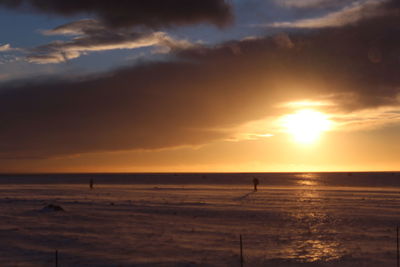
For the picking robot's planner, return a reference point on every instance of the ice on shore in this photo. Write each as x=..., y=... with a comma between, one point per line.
x=197, y=225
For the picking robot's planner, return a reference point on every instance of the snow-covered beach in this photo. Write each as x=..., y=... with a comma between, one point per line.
x=196, y=219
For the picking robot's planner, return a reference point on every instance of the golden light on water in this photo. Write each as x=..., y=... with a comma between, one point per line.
x=306, y=125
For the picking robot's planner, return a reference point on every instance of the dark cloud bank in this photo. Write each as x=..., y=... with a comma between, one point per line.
x=126, y=13
x=204, y=92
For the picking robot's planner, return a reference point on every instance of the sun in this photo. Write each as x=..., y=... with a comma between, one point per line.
x=306, y=125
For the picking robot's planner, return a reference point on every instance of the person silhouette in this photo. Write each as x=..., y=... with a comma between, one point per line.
x=255, y=182
x=91, y=184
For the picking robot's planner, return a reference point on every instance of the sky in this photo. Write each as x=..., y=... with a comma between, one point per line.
x=199, y=86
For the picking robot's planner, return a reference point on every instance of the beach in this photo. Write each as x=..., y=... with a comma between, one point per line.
x=152, y=220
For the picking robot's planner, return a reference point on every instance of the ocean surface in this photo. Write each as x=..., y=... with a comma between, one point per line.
x=342, y=179
x=195, y=219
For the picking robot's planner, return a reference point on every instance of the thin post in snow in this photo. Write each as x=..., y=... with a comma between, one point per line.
x=397, y=239
x=241, y=251
x=56, y=258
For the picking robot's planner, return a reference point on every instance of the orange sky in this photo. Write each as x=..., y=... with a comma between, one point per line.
x=333, y=151
x=205, y=88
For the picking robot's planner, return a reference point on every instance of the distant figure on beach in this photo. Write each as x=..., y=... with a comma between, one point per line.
x=91, y=183
x=255, y=182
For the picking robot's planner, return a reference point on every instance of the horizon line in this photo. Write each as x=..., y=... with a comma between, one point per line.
x=181, y=172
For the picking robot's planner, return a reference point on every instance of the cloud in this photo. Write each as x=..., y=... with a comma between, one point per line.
x=348, y=15
x=91, y=36
x=311, y=3
x=206, y=93
x=5, y=47
x=8, y=55
x=146, y=107
x=80, y=27
x=127, y=13
x=369, y=119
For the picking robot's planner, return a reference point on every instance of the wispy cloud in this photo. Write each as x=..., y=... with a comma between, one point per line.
x=9, y=54
x=5, y=47
x=311, y=3
x=307, y=103
x=347, y=15
x=249, y=137
x=356, y=120
x=91, y=36
x=368, y=119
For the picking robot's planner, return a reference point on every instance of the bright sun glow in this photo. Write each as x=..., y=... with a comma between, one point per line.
x=306, y=125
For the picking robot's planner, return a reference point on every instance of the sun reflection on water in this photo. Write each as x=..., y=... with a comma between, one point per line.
x=307, y=183
x=315, y=250
x=314, y=239
x=308, y=179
